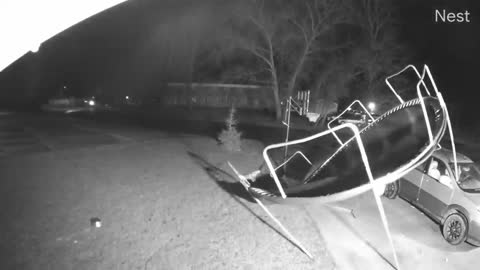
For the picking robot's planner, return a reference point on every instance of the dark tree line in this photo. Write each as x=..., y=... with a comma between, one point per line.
x=335, y=48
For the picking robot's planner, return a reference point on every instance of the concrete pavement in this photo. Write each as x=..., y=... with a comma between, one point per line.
x=349, y=251
x=361, y=242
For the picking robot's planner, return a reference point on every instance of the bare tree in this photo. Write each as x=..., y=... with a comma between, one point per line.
x=262, y=42
x=314, y=20
x=285, y=35
x=381, y=51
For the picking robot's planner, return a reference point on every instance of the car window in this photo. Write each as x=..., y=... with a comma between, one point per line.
x=437, y=168
x=469, y=176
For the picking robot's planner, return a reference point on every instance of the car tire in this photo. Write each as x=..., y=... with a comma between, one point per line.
x=454, y=229
x=391, y=190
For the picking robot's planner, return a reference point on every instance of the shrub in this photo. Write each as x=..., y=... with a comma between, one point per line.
x=230, y=137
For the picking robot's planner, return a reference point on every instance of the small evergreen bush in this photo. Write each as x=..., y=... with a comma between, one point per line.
x=230, y=137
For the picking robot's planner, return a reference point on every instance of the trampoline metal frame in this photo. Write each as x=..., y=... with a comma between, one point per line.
x=376, y=185
x=344, y=111
x=292, y=156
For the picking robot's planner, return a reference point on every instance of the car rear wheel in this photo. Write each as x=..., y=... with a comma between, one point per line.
x=455, y=229
x=391, y=190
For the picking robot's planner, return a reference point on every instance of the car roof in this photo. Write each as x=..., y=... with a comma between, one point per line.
x=447, y=156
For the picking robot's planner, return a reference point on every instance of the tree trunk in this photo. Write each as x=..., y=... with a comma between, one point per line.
x=369, y=86
x=296, y=72
x=276, y=96
x=275, y=87
x=191, y=69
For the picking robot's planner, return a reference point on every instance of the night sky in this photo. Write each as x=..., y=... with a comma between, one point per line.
x=126, y=42
x=452, y=50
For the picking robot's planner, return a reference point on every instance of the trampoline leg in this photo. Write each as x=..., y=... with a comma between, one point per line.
x=289, y=235
x=295, y=241
x=381, y=209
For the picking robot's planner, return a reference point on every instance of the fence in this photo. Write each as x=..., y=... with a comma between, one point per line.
x=218, y=95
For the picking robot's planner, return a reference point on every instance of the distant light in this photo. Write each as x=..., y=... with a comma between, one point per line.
x=91, y=103
x=64, y=87
x=127, y=97
x=371, y=106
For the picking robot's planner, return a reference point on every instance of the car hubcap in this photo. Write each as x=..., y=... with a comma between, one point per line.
x=390, y=189
x=454, y=230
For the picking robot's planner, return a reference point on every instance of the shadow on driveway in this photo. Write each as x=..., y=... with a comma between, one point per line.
x=234, y=189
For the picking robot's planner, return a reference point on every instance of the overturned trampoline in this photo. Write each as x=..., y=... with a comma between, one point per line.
x=371, y=157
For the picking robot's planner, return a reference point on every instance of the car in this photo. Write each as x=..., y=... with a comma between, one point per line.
x=452, y=202
x=355, y=117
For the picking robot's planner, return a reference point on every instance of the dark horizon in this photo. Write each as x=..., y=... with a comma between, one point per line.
x=450, y=49
x=101, y=51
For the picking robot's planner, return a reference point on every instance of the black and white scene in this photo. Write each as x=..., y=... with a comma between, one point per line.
x=239, y=134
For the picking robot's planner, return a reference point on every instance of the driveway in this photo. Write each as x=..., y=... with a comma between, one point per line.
x=417, y=238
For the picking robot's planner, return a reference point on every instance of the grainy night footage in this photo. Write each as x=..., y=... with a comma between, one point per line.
x=258, y=134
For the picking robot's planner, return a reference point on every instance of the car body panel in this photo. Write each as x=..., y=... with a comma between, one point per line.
x=447, y=156
x=410, y=188
x=434, y=196
x=474, y=232
x=437, y=199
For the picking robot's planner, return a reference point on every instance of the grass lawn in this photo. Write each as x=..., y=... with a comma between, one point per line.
x=164, y=204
